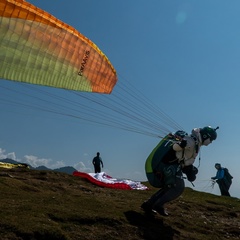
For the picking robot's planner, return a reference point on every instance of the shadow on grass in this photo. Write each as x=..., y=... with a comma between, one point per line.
x=150, y=227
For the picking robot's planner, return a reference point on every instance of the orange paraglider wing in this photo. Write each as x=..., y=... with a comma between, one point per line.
x=40, y=49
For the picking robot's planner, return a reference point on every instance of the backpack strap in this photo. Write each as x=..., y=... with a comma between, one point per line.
x=196, y=143
x=197, y=148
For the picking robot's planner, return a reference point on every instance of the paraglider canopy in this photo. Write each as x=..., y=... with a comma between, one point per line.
x=40, y=49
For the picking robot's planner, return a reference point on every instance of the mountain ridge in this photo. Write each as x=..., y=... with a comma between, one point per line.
x=66, y=169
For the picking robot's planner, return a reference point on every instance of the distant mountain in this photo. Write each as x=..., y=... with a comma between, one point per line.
x=9, y=160
x=68, y=169
x=42, y=168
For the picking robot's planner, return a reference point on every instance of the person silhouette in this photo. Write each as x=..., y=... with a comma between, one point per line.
x=97, y=162
x=223, y=179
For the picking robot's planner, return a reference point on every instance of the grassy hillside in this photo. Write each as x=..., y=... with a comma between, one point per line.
x=52, y=205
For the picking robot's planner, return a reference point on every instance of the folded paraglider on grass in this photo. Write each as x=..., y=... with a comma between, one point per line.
x=104, y=180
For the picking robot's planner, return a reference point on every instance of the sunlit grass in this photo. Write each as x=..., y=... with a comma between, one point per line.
x=51, y=205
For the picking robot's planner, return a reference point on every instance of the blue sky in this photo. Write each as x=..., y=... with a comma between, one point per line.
x=182, y=55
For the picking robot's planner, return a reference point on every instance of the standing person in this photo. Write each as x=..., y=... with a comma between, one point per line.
x=169, y=160
x=224, y=179
x=97, y=162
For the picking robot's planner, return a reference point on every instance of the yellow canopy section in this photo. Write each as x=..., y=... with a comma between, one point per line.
x=11, y=165
x=36, y=47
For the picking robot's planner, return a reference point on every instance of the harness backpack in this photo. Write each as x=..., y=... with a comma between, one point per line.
x=152, y=164
x=227, y=175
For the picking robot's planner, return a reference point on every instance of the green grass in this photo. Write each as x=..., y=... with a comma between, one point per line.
x=38, y=205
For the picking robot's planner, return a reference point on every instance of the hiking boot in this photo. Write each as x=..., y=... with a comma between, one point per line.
x=147, y=208
x=161, y=211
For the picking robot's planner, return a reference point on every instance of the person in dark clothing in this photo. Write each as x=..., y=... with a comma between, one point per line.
x=224, y=182
x=173, y=164
x=97, y=162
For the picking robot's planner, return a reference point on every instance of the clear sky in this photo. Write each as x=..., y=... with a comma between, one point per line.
x=183, y=56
